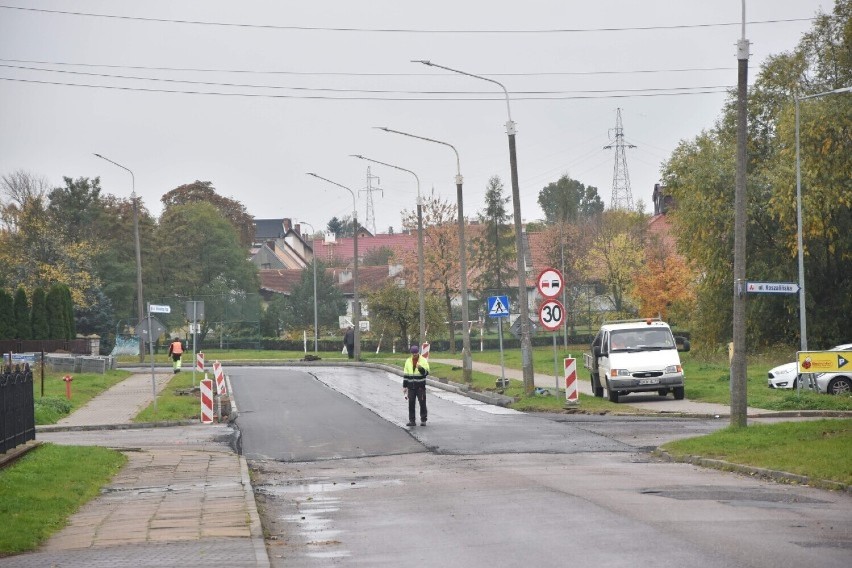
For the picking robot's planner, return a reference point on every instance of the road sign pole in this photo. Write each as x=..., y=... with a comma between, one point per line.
x=151, y=351
x=502, y=365
x=194, y=334
x=555, y=366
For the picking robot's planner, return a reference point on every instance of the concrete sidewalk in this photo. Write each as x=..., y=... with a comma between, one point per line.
x=184, y=498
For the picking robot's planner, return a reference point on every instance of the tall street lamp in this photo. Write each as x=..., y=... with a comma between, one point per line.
x=421, y=286
x=803, y=334
x=314, y=262
x=467, y=359
x=356, y=310
x=138, y=254
x=526, y=344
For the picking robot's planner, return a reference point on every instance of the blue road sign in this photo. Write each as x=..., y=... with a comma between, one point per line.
x=498, y=306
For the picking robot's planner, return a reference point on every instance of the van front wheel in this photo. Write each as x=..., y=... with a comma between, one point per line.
x=611, y=394
x=679, y=393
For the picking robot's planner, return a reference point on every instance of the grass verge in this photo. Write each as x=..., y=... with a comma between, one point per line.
x=174, y=402
x=819, y=449
x=41, y=490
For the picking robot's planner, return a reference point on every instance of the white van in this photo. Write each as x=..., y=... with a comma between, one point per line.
x=636, y=356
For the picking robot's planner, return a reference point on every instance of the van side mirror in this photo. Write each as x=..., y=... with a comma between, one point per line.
x=682, y=343
x=596, y=351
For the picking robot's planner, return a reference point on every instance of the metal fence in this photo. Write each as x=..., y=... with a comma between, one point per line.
x=17, y=410
x=78, y=346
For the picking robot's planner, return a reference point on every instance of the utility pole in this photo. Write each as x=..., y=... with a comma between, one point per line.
x=739, y=406
x=622, y=198
x=370, y=222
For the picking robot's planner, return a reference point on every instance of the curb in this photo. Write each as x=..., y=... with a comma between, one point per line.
x=121, y=426
x=258, y=543
x=774, y=475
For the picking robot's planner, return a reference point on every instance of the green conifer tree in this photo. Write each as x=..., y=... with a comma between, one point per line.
x=23, y=327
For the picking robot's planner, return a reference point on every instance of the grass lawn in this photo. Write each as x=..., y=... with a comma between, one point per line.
x=85, y=386
x=40, y=491
x=820, y=449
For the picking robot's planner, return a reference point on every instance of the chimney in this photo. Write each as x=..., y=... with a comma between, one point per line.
x=287, y=223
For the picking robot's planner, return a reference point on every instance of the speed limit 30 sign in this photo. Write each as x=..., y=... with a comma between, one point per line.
x=550, y=314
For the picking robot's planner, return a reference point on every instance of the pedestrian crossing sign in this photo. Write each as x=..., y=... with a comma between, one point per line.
x=498, y=306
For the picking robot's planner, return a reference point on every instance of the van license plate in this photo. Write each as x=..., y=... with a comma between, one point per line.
x=649, y=381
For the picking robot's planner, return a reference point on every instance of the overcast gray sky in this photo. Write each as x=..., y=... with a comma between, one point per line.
x=322, y=73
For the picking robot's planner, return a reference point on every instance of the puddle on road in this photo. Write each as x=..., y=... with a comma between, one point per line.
x=325, y=487
x=316, y=501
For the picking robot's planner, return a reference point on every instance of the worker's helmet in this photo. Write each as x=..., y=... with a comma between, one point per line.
x=415, y=349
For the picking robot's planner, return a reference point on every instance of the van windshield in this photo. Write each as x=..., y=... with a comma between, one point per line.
x=641, y=340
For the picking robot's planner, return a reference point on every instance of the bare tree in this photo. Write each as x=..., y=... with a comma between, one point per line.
x=19, y=189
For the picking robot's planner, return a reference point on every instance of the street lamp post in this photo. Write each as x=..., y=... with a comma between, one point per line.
x=356, y=310
x=467, y=359
x=421, y=285
x=316, y=316
x=803, y=333
x=138, y=254
x=526, y=344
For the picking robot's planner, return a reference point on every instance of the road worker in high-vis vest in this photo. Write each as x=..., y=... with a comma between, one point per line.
x=175, y=352
x=414, y=384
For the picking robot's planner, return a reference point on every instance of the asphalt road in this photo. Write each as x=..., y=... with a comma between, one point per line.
x=341, y=481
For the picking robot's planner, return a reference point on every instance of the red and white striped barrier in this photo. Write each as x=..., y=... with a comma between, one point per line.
x=219, y=376
x=572, y=394
x=206, y=401
x=199, y=362
x=424, y=350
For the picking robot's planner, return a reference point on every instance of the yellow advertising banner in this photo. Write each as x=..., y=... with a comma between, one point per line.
x=823, y=361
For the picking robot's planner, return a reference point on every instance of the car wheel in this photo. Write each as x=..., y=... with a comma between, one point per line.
x=611, y=394
x=679, y=393
x=663, y=392
x=597, y=389
x=840, y=385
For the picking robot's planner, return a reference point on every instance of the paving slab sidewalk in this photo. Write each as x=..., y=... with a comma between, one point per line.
x=184, y=498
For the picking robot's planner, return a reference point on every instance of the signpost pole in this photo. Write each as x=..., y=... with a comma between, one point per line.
x=555, y=365
x=498, y=307
x=502, y=365
x=194, y=334
x=151, y=351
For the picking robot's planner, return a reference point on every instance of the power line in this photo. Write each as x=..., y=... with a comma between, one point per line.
x=397, y=30
x=350, y=74
x=340, y=90
x=710, y=90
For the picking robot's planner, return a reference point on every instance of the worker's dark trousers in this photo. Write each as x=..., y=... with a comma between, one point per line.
x=418, y=392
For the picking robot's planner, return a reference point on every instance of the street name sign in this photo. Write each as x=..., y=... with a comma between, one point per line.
x=772, y=288
x=159, y=309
